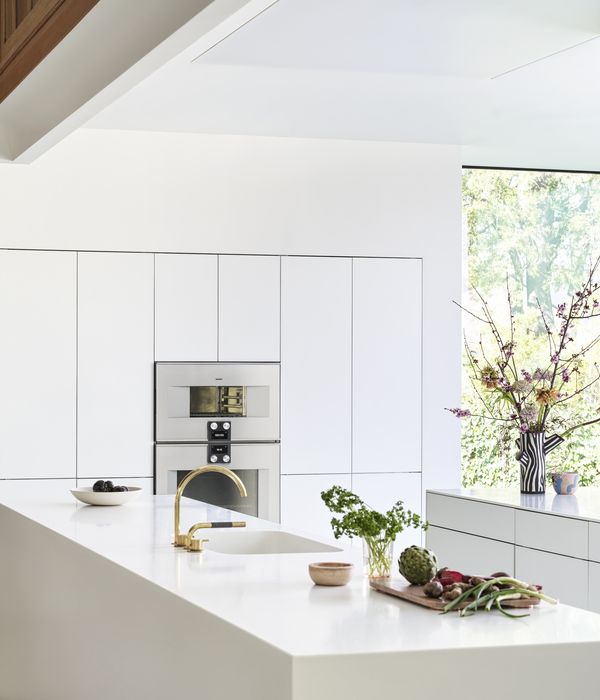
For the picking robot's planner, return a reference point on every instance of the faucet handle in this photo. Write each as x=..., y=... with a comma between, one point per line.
x=191, y=544
x=195, y=545
x=181, y=540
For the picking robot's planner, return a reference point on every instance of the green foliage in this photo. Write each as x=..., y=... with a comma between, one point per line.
x=358, y=520
x=539, y=230
x=489, y=460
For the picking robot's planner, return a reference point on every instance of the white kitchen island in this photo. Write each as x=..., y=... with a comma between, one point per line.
x=97, y=605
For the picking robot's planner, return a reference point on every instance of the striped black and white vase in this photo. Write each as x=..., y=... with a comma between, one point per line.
x=533, y=448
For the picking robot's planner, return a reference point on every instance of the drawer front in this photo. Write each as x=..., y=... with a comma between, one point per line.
x=562, y=577
x=552, y=533
x=594, y=542
x=470, y=554
x=473, y=517
x=594, y=587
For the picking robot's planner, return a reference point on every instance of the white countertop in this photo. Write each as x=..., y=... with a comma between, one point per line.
x=272, y=597
x=583, y=504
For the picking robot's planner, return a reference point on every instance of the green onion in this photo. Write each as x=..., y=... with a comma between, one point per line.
x=490, y=599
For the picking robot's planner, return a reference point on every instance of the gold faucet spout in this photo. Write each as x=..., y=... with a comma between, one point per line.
x=182, y=540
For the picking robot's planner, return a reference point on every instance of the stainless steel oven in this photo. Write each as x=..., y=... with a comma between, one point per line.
x=191, y=395
x=219, y=413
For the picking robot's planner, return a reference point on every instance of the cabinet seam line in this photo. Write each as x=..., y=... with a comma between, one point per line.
x=352, y=374
x=77, y=368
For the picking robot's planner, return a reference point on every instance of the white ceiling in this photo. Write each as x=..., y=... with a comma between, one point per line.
x=516, y=82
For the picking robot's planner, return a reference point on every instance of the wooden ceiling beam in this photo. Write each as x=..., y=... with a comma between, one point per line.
x=29, y=30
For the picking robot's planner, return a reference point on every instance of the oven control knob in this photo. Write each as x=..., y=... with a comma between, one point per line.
x=226, y=459
x=213, y=458
x=214, y=426
x=226, y=426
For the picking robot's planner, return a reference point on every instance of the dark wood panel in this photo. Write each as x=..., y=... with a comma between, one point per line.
x=29, y=30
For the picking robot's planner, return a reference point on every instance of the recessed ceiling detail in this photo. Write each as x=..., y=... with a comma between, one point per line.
x=394, y=70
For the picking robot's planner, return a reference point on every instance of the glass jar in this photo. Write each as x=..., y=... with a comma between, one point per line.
x=378, y=554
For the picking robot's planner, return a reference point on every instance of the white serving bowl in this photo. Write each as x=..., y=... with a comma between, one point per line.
x=86, y=494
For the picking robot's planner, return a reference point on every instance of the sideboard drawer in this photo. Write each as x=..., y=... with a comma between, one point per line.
x=469, y=553
x=562, y=577
x=594, y=553
x=594, y=587
x=552, y=533
x=473, y=517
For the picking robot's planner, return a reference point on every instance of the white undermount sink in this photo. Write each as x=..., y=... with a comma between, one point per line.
x=262, y=542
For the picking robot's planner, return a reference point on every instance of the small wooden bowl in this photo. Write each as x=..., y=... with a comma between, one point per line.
x=330, y=573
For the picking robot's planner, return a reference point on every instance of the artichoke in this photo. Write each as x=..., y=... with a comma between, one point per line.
x=418, y=565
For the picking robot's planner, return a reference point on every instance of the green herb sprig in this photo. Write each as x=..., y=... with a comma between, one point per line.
x=360, y=520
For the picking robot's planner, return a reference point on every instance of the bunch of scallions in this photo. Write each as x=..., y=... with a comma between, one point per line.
x=492, y=593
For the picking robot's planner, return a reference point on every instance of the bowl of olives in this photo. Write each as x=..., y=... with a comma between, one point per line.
x=106, y=493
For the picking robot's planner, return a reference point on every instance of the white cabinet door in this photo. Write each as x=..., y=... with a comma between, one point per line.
x=186, y=308
x=249, y=308
x=301, y=506
x=594, y=587
x=564, y=578
x=381, y=491
x=469, y=553
x=594, y=541
x=37, y=364
x=115, y=369
x=386, y=365
x=316, y=373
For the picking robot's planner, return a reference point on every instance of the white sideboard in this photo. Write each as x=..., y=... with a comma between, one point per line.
x=548, y=539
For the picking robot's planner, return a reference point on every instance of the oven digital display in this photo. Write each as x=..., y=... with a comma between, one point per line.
x=217, y=401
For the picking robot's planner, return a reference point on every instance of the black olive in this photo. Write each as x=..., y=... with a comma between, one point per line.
x=99, y=485
x=124, y=488
x=108, y=486
x=118, y=488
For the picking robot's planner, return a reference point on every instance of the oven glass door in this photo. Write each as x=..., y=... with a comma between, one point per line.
x=213, y=488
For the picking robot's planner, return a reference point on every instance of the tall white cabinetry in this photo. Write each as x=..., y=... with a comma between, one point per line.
x=115, y=365
x=316, y=391
x=186, y=308
x=386, y=382
x=81, y=331
x=217, y=308
x=37, y=364
x=249, y=308
x=351, y=384
x=316, y=355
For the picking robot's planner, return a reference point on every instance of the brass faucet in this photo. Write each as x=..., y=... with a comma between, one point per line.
x=185, y=540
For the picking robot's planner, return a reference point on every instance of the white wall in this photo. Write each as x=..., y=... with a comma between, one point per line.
x=136, y=191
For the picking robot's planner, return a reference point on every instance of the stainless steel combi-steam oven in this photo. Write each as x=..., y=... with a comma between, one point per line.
x=219, y=413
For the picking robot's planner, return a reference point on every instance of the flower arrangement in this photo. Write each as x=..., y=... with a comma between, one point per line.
x=527, y=402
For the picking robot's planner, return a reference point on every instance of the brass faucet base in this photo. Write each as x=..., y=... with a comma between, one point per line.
x=196, y=545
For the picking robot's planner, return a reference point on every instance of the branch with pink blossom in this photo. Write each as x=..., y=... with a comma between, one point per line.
x=530, y=399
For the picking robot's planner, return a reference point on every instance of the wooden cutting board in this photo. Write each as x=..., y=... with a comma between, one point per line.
x=414, y=594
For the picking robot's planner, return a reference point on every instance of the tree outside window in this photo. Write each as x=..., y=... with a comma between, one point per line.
x=537, y=232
